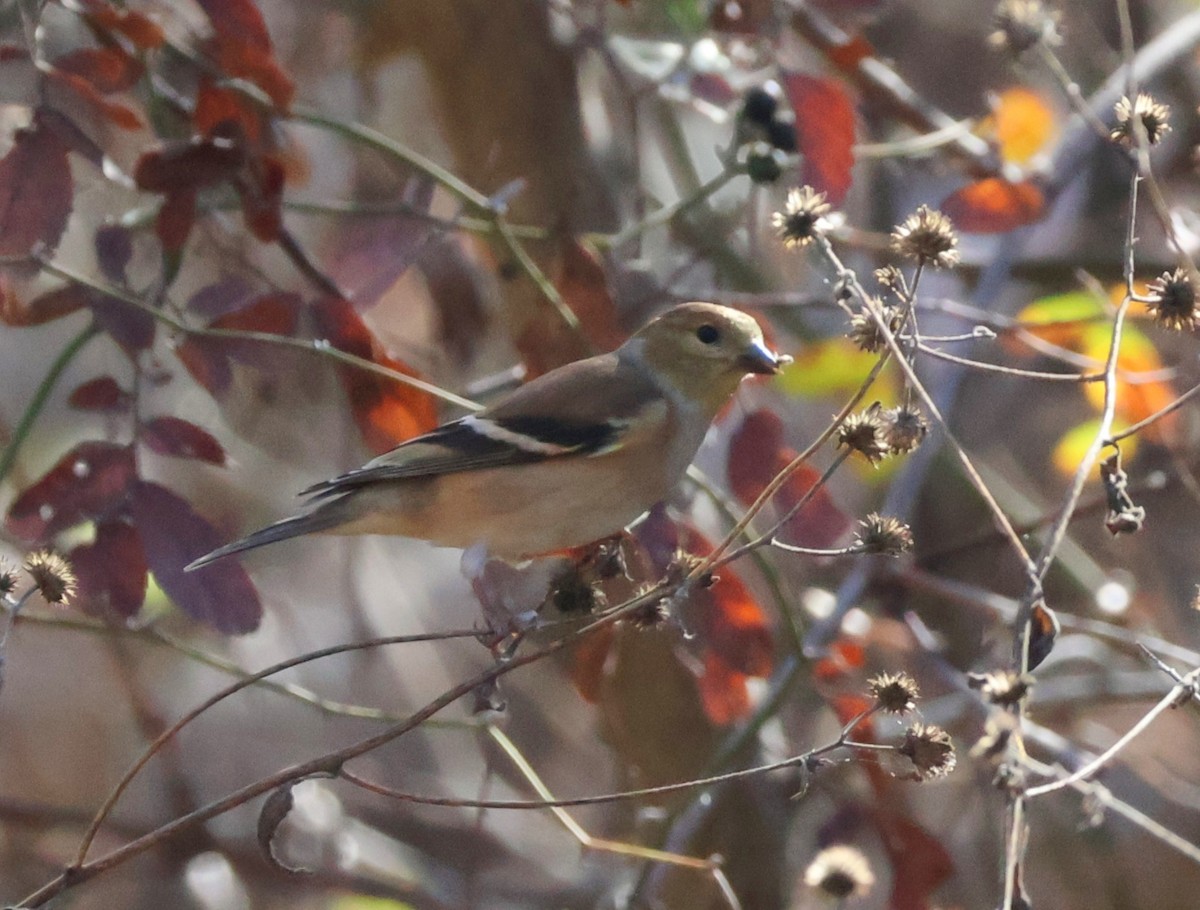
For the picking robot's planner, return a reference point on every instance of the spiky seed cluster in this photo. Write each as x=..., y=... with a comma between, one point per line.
x=864, y=330
x=895, y=693
x=8, y=578
x=52, y=576
x=802, y=217
x=884, y=534
x=1173, y=301
x=1154, y=117
x=1002, y=687
x=863, y=433
x=1021, y=24
x=839, y=872
x=930, y=750
x=904, y=429
x=927, y=236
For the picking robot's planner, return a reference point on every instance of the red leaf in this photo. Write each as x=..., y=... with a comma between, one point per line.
x=112, y=570
x=106, y=69
x=588, y=659
x=100, y=394
x=584, y=288
x=130, y=326
x=243, y=47
x=220, y=595
x=723, y=692
x=261, y=196
x=35, y=191
x=179, y=166
x=46, y=308
x=180, y=438
x=756, y=455
x=114, y=249
x=545, y=341
x=89, y=482
x=175, y=219
x=994, y=206
x=217, y=106
x=208, y=359
x=845, y=658
x=137, y=27
x=205, y=360
x=387, y=411
x=824, y=133
x=274, y=314
x=117, y=113
x=732, y=627
x=920, y=863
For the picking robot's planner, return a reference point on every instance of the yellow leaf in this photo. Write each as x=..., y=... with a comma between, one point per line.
x=1073, y=445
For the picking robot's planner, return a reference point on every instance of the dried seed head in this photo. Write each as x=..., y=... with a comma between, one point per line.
x=895, y=693
x=1173, y=300
x=1001, y=687
x=904, y=429
x=884, y=534
x=1154, y=117
x=1021, y=24
x=864, y=330
x=840, y=872
x=8, y=578
x=52, y=576
x=651, y=615
x=802, y=218
x=927, y=236
x=930, y=750
x=997, y=732
x=863, y=433
x=892, y=279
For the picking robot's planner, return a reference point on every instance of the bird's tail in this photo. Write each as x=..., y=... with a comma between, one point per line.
x=320, y=519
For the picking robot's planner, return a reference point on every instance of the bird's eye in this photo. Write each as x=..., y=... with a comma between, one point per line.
x=708, y=334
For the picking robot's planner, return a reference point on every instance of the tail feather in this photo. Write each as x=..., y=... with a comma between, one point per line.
x=321, y=519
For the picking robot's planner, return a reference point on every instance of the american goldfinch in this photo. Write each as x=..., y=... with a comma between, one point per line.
x=567, y=459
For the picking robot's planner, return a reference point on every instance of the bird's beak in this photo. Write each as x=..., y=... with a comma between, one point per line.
x=758, y=358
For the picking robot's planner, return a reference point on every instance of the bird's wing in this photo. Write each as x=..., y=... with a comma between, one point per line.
x=586, y=409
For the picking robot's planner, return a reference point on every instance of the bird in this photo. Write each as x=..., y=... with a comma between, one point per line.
x=567, y=459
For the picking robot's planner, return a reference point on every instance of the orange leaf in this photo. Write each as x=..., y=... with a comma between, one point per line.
x=723, y=692
x=387, y=411
x=824, y=133
x=588, y=660
x=994, y=206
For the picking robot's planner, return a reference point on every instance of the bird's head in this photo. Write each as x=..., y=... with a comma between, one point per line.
x=704, y=350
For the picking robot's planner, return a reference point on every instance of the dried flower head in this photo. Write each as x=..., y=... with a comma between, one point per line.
x=895, y=693
x=1021, y=24
x=802, y=218
x=930, y=750
x=8, y=578
x=997, y=732
x=1001, y=687
x=651, y=615
x=863, y=433
x=884, y=534
x=904, y=429
x=927, y=236
x=52, y=576
x=840, y=872
x=864, y=330
x=1153, y=116
x=1173, y=300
